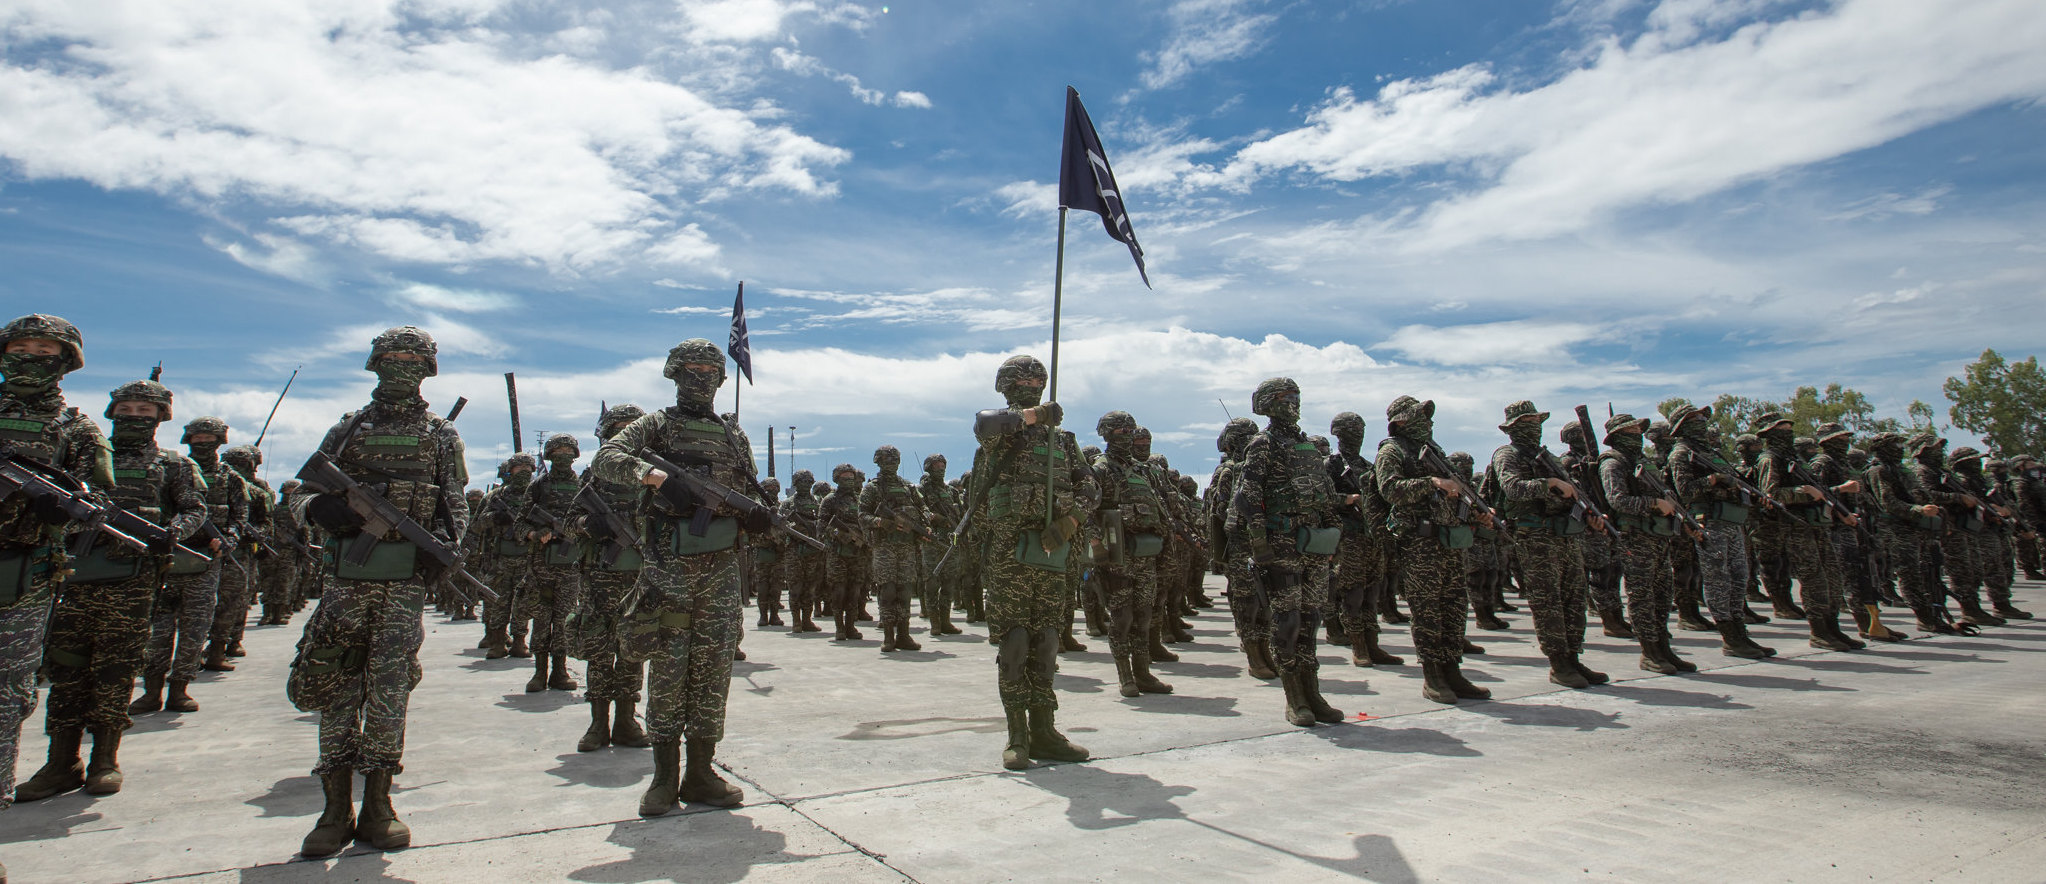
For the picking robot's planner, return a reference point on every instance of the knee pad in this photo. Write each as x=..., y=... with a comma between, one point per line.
x=1012, y=652
x=1044, y=652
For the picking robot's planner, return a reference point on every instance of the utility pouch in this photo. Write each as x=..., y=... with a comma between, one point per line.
x=1723, y=511
x=766, y=555
x=319, y=673
x=645, y=629
x=722, y=533
x=19, y=569
x=388, y=561
x=562, y=552
x=1813, y=514
x=1030, y=552
x=1318, y=541
x=1564, y=526
x=1661, y=526
x=1144, y=546
x=508, y=547
x=98, y=567
x=1450, y=536
x=1928, y=523
x=184, y=563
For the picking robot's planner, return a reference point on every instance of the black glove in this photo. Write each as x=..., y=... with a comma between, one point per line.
x=332, y=513
x=1050, y=414
x=49, y=509
x=756, y=520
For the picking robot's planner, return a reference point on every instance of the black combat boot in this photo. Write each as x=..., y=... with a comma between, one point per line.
x=1690, y=620
x=700, y=780
x=1452, y=674
x=561, y=680
x=1563, y=672
x=1734, y=642
x=337, y=822
x=660, y=795
x=1652, y=661
x=1785, y=609
x=1751, y=618
x=1434, y=685
x=1591, y=675
x=1486, y=619
x=62, y=773
x=2008, y=611
x=1823, y=627
x=152, y=696
x=538, y=682
x=1126, y=676
x=1670, y=654
x=1298, y=713
x=763, y=617
x=1310, y=691
x=1016, y=754
x=1046, y=743
x=1615, y=622
x=103, y=773
x=599, y=734
x=378, y=823
x=1470, y=647
x=625, y=729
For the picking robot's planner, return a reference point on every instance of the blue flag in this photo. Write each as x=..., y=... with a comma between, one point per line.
x=741, y=347
x=1088, y=184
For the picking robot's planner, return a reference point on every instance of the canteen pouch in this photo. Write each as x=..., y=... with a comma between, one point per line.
x=628, y=560
x=184, y=563
x=766, y=555
x=1730, y=513
x=1318, y=541
x=562, y=552
x=388, y=561
x=1928, y=523
x=19, y=570
x=722, y=534
x=1144, y=546
x=98, y=567
x=1030, y=552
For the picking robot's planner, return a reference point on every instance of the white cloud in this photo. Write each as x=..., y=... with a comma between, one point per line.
x=794, y=61
x=913, y=99
x=276, y=255
x=1665, y=119
x=1203, y=32
x=743, y=21
x=432, y=297
x=1517, y=342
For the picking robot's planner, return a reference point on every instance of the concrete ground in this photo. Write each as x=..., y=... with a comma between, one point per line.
x=1919, y=761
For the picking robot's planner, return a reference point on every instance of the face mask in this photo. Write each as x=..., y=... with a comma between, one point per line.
x=1022, y=396
x=1629, y=443
x=1835, y=447
x=1284, y=410
x=696, y=390
x=849, y=485
x=563, y=462
x=134, y=432
x=1141, y=448
x=1419, y=428
x=205, y=452
x=1779, y=435
x=27, y=374
x=518, y=481
x=398, y=381
x=1695, y=430
x=1526, y=434
x=888, y=466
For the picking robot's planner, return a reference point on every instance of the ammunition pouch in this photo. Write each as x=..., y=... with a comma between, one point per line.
x=1561, y=526
x=509, y=547
x=184, y=564
x=1810, y=514
x=1144, y=546
x=720, y=533
x=628, y=560
x=389, y=561
x=766, y=555
x=1934, y=524
x=320, y=672
x=1030, y=552
x=1722, y=511
x=562, y=552
x=1970, y=521
x=97, y=566
x=20, y=568
x=1317, y=541
x=647, y=630
x=1658, y=526
x=1450, y=536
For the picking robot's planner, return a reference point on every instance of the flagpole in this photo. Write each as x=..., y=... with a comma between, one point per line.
x=1051, y=389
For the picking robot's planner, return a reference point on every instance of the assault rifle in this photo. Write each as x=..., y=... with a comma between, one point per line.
x=1468, y=497
x=157, y=536
x=698, y=495
x=896, y=517
x=1832, y=501
x=604, y=523
x=1733, y=478
x=321, y=475
x=1582, y=507
x=48, y=487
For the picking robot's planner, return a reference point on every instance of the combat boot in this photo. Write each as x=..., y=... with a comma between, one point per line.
x=1140, y=669
x=561, y=680
x=1615, y=622
x=1733, y=642
x=1670, y=654
x=1310, y=691
x=1376, y=655
x=180, y=700
x=538, y=682
x=1822, y=635
x=62, y=773
x=378, y=822
x=738, y=654
x=1751, y=618
x=2007, y=611
x=216, y=659
x=701, y=783
x=1158, y=650
x=1016, y=754
x=1935, y=621
x=625, y=730
x=337, y=821
x=1487, y=620
x=1298, y=713
x=152, y=696
x=1591, y=675
x=1264, y=652
x=902, y=639
x=496, y=645
x=1257, y=666
x=945, y=622
x=774, y=617
x=887, y=638
x=1126, y=677
x=1785, y=609
x=1690, y=620
x=1652, y=661
x=1833, y=629
x=1434, y=686
x=1046, y=743
x=519, y=648
x=1870, y=625
x=103, y=772
x=1470, y=647
x=763, y=618
x=1067, y=643
x=1563, y=672
x=235, y=649
x=1452, y=674
x=599, y=734
x=660, y=795
x=1092, y=617
x=1336, y=634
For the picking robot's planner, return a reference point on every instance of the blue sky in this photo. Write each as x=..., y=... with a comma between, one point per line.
x=1475, y=202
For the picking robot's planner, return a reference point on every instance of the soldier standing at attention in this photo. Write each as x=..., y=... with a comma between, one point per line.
x=1130, y=522
x=1806, y=538
x=803, y=571
x=359, y=658
x=683, y=616
x=101, y=624
x=1830, y=466
x=1647, y=525
x=554, y=582
x=1252, y=618
x=1722, y=509
x=841, y=513
x=1360, y=571
x=1284, y=514
x=1541, y=511
x=246, y=460
x=1031, y=492
x=1601, y=555
x=894, y=517
x=1432, y=538
x=195, y=586
x=941, y=501
x=613, y=681
x=503, y=535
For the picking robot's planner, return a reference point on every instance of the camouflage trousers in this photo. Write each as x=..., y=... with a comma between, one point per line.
x=97, y=637
x=1552, y=568
x=845, y=582
x=1248, y=607
x=1431, y=579
x=550, y=595
x=1813, y=559
x=1857, y=580
x=1357, y=580
x=180, y=622
x=23, y=626
x=1906, y=550
x=231, y=603
x=895, y=579
x=595, y=637
x=768, y=578
x=2028, y=551
x=1649, y=583
x=1771, y=540
x=368, y=634
x=1686, y=580
x=1172, y=565
x=1723, y=569
x=803, y=572
x=683, y=619
x=941, y=585
x=1027, y=608
x=1296, y=607
x=1996, y=564
x=1128, y=595
x=1963, y=565
x=508, y=581
x=279, y=579
x=1602, y=565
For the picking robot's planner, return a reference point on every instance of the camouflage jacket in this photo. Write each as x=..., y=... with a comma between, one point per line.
x=47, y=431
x=415, y=455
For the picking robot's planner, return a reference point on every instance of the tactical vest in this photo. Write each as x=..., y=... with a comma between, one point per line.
x=398, y=457
x=1306, y=489
x=1018, y=491
x=692, y=441
x=37, y=437
x=899, y=499
x=1130, y=492
x=139, y=480
x=219, y=497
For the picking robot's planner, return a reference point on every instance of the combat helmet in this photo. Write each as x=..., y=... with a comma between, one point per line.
x=1234, y=432
x=623, y=413
x=560, y=439
x=141, y=391
x=47, y=327
x=209, y=424
x=405, y=339
x=1116, y=422
x=1017, y=368
x=1271, y=393
x=504, y=470
x=243, y=457
x=695, y=351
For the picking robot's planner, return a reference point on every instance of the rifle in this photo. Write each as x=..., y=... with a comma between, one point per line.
x=701, y=497
x=44, y=485
x=901, y=521
x=1432, y=458
x=611, y=527
x=1583, y=508
x=158, y=537
x=461, y=402
x=549, y=520
x=321, y=475
x=1746, y=488
x=228, y=541
x=1647, y=474
x=511, y=394
x=273, y=406
x=1832, y=501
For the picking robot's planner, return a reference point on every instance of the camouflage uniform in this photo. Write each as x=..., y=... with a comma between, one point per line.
x=1960, y=510
x=1131, y=523
x=1722, y=508
x=843, y=574
x=240, y=584
x=1252, y=618
x=1857, y=577
x=1991, y=544
x=554, y=583
x=1601, y=559
x=186, y=608
x=1545, y=526
x=1645, y=538
x=1906, y=531
x=1484, y=564
x=1361, y=574
x=804, y=567
x=1430, y=544
x=683, y=616
x=282, y=572
x=1166, y=625
x=770, y=563
x=358, y=658
x=2028, y=489
x=499, y=536
x=943, y=591
x=612, y=682
x=894, y=515
x=1804, y=533
x=1031, y=490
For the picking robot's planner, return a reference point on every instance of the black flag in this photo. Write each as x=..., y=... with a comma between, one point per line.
x=1088, y=184
x=741, y=348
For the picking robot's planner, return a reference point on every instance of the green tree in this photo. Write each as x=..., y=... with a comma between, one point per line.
x=2003, y=402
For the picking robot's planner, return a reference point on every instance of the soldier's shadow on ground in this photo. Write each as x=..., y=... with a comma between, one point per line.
x=356, y=864
x=1373, y=737
x=1199, y=670
x=610, y=768
x=711, y=847
x=1891, y=652
x=501, y=664
x=1767, y=682
x=1538, y=715
x=1658, y=696
x=48, y=819
x=155, y=723
x=1835, y=664
x=1079, y=684
x=1347, y=687
x=1181, y=704
x=540, y=701
x=928, y=653
x=291, y=796
x=910, y=728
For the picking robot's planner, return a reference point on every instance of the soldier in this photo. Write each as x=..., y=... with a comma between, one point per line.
x=1545, y=518
x=1484, y=564
x=841, y=514
x=39, y=431
x=1030, y=493
x=1766, y=541
x=1908, y=530
x=1432, y=538
x=1193, y=598
x=1284, y=515
x=804, y=567
x=895, y=519
x=1830, y=467
x=770, y=553
x=191, y=613
x=1252, y=618
x=101, y=624
x=1130, y=521
x=1991, y=544
x=1601, y=555
x=1165, y=623
x=942, y=502
x=501, y=537
x=247, y=580
x=359, y=657
x=1802, y=528
x=554, y=577
x=2028, y=489
x=1647, y=523
x=1360, y=572
x=1962, y=512
x=609, y=574
x=280, y=575
x=683, y=616
x=1722, y=508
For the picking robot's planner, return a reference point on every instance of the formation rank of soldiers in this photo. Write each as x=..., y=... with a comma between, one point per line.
x=118, y=557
